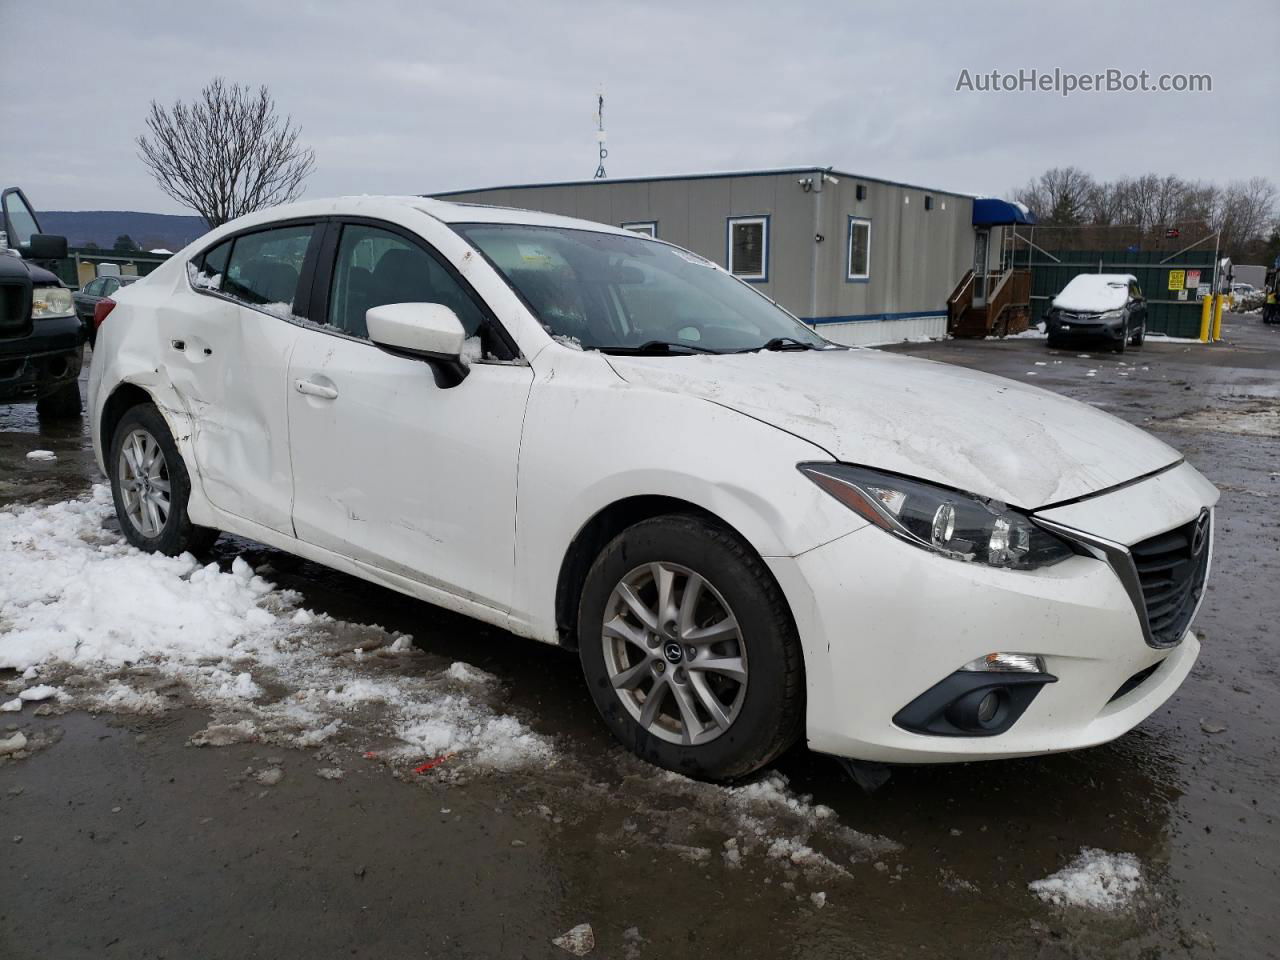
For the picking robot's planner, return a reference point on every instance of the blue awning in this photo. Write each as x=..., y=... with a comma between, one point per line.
x=990, y=212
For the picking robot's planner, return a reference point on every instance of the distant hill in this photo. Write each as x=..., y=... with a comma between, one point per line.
x=148, y=230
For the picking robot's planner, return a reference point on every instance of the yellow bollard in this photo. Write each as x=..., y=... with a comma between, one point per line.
x=1217, y=317
x=1206, y=318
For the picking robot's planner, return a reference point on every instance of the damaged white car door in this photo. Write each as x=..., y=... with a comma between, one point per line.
x=396, y=463
x=227, y=353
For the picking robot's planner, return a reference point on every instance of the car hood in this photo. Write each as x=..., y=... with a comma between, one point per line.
x=985, y=434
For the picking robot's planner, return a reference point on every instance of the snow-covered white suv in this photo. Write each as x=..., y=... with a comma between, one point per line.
x=600, y=440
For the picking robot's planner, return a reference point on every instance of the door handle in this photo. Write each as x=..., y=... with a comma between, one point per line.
x=313, y=389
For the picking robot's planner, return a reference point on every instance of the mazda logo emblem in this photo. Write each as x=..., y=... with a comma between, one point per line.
x=674, y=652
x=1200, y=538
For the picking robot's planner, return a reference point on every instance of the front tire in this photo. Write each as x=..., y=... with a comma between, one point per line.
x=1140, y=337
x=63, y=404
x=151, y=487
x=689, y=649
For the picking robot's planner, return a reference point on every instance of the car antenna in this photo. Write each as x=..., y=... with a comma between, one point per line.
x=600, y=174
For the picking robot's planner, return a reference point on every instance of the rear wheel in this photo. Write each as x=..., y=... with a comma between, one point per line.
x=689, y=649
x=151, y=487
x=63, y=404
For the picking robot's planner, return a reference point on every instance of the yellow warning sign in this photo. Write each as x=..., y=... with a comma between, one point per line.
x=1177, y=279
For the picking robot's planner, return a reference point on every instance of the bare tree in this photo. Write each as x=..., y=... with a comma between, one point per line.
x=1246, y=212
x=1059, y=196
x=226, y=154
x=1141, y=211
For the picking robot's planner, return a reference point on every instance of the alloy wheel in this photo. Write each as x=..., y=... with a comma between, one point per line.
x=674, y=653
x=143, y=476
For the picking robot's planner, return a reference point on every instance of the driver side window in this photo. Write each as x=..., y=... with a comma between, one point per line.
x=375, y=267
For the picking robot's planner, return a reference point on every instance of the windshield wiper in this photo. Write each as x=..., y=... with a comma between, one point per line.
x=783, y=343
x=656, y=348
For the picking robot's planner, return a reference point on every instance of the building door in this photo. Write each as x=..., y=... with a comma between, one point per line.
x=981, y=239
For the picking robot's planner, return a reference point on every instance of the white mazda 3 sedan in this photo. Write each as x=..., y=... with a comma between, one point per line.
x=600, y=440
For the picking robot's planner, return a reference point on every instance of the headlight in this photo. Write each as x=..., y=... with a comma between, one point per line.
x=1112, y=315
x=51, y=302
x=959, y=525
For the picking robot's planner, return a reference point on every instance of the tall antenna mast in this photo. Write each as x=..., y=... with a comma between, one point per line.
x=600, y=174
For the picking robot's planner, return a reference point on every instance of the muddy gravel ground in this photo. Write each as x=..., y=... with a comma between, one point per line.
x=119, y=837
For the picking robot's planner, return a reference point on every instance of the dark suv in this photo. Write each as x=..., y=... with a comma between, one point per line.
x=41, y=338
x=1099, y=306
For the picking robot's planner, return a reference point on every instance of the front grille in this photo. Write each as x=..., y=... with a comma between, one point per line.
x=13, y=307
x=1171, y=572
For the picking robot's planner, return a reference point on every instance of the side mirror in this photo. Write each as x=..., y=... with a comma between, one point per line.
x=428, y=331
x=44, y=246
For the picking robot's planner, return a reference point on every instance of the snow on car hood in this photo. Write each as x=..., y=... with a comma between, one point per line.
x=1094, y=292
x=985, y=434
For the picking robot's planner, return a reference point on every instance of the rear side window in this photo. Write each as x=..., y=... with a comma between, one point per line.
x=206, y=271
x=376, y=266
x=264, y=267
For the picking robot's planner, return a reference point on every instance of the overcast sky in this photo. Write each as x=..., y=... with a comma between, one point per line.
x=417, y=97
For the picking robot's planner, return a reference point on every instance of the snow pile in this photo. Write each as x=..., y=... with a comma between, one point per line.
x=42, y=456
x=70, y=591
x=1094, y=879
x=1094, y=292
x=77, y=600
x=1035, y=332
x=121, y=698
x=768, y=819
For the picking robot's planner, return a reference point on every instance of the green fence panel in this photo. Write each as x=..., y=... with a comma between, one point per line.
x=1167, y=313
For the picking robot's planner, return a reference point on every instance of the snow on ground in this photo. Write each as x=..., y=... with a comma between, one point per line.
x=1036, y=332
x=767, y=818
x=1094, y=879
x=91, y=622
x=124, y=630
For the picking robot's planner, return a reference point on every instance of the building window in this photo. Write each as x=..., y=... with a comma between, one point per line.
x=647, y=228
x=928, y=202
x=859, y=265
x=748, y=257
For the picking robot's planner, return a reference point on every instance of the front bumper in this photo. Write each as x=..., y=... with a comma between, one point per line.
x=882, y=622
x=37, y=365
x=1085, y=328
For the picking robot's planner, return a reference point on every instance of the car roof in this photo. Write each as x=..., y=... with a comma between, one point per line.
x=1101, y=279
x=450, y=211
x=442, y=210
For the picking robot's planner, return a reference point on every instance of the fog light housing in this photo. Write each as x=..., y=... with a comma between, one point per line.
x=979, y=711
x=987, y=707
x=1006, y=663
x=979, y=702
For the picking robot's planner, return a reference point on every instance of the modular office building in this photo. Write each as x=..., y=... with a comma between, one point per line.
x=865, y=260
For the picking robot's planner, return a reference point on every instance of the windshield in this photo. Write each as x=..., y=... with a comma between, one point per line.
x=627, y=294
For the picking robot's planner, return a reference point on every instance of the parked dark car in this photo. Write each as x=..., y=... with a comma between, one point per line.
x=1099, y=306
x=41, y=338
x=88, y=297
